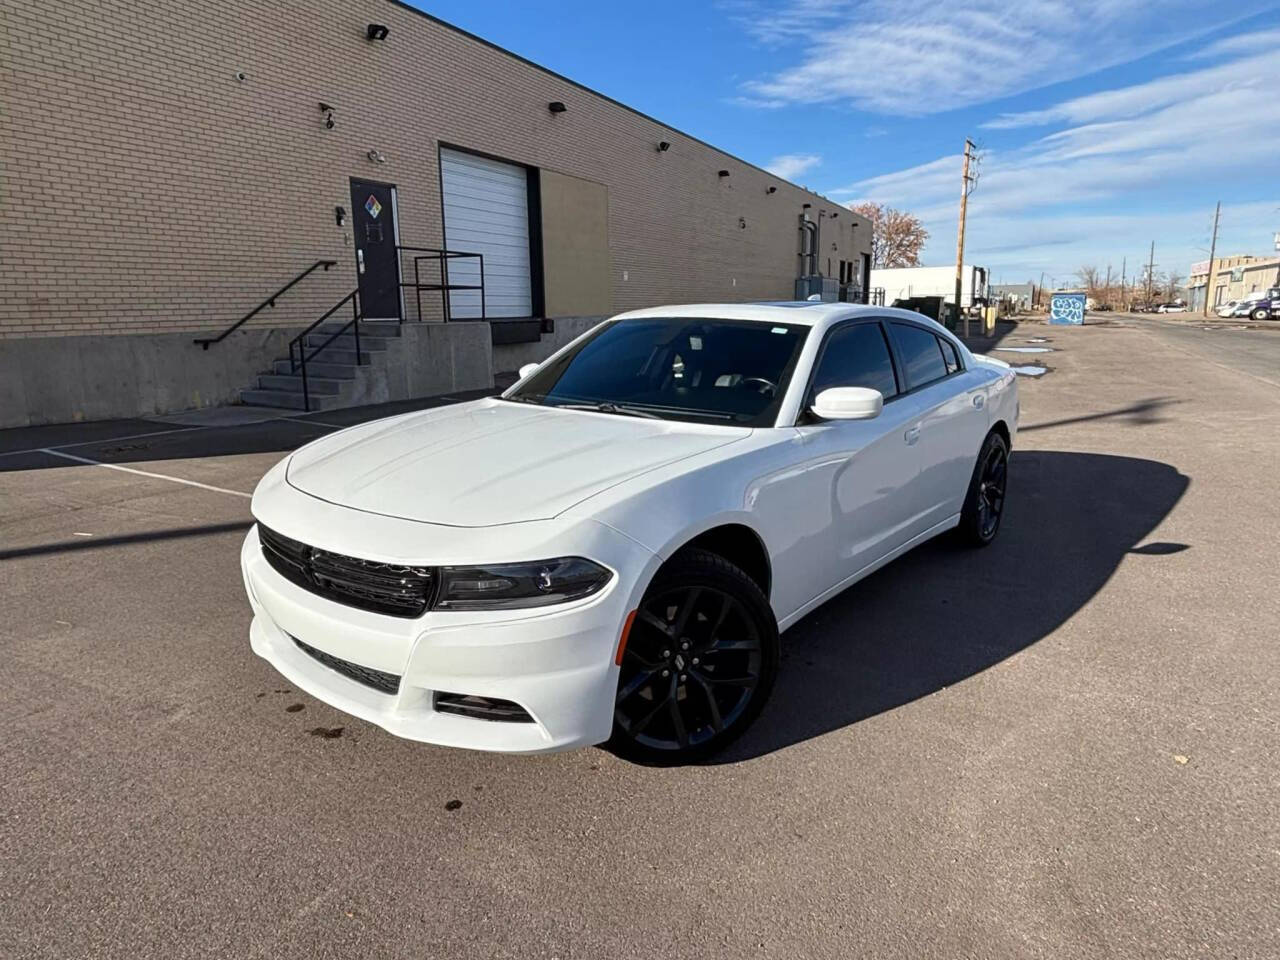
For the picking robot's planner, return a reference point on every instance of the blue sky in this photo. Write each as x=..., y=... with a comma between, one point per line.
x=1104, y=125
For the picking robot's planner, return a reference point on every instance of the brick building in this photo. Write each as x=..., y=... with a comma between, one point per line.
x=167, y=166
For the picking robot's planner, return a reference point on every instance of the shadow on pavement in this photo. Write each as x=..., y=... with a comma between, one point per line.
x=144, y=441
x=945, y=612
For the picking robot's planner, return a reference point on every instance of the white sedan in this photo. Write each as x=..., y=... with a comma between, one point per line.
x=609, y=550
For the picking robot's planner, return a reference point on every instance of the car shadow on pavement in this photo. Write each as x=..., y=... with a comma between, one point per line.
x=945, y=612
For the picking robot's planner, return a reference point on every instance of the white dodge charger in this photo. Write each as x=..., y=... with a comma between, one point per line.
x=609, y=549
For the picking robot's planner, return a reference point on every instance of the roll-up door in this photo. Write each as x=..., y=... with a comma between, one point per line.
x=486, y=211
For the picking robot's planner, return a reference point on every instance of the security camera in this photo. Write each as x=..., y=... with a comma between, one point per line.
x=241, y=76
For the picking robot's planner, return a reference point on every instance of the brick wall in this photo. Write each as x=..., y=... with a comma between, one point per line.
x=147, y=189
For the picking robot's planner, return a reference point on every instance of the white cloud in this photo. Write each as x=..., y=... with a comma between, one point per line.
x=1137, y=148
x=915, y=57
x=791, y=165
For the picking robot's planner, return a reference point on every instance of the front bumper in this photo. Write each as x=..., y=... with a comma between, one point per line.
x=556, y=663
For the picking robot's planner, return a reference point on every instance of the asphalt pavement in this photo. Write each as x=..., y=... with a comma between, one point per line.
x=1065, y=745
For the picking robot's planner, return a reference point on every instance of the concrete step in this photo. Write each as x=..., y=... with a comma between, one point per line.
x=379, y=328
x=292, y=383
x=287, y=400
x=336, y=354
x=315, y=368
x=347, y=341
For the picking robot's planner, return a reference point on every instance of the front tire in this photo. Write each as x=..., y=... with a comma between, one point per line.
x=699, y=664
x=984, y=502
x=1261, y=314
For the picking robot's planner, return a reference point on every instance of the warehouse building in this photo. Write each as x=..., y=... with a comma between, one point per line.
x=173, y=169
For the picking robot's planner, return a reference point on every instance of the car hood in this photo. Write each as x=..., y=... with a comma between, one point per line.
x=491, y=461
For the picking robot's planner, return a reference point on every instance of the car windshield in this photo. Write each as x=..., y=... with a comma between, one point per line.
x=706, y=371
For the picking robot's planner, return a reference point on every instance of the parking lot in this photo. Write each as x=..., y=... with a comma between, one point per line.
x=1063, y=746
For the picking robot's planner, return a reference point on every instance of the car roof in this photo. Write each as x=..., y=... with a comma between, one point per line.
x=810, y=313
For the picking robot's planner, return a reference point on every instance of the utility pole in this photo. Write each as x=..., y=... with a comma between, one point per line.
x=1040, y=290
x=1124, y=284
x=1213, y=247
x=1151, y=267
x=1106, y=287
x=965, y=188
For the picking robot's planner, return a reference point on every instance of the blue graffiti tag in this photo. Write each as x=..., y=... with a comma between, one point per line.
x=1067, y=309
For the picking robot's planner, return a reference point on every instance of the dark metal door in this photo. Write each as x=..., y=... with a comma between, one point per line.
x=377, y=262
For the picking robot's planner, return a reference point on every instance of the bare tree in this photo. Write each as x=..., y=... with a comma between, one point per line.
x=1088, y=277
x=1174, y=281
x=897, y=237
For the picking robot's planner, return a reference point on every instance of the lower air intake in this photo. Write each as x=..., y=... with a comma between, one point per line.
x=481, y=708
x=378, y=680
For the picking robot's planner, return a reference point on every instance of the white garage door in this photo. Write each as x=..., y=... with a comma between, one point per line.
x=486, y=211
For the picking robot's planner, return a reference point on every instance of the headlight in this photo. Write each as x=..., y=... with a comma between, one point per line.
x=503, y=586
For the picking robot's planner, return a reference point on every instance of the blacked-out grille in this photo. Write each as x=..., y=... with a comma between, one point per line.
x=398, y=590
x=377, y=679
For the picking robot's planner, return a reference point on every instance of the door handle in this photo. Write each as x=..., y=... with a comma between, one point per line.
x=912, y=435
x=979, y=400
x=359, y=260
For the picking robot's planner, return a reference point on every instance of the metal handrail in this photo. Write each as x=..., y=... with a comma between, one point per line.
x=444, y=286
x=269, y=302
x=300, y=340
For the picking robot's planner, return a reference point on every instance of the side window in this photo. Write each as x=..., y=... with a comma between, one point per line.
x=920, y=353
x=949, y=356
x=856, y=356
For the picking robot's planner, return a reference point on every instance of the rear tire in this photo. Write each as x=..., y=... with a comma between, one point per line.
x=1261, y=314
x=699, y=664
x=984, y=502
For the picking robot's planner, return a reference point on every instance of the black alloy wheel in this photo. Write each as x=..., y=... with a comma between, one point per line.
x=699, y=663
x=984, y=504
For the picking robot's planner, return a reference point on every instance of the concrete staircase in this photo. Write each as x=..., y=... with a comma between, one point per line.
x=333, y=374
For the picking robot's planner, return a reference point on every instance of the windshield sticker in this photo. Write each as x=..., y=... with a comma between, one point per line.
x=779, y=330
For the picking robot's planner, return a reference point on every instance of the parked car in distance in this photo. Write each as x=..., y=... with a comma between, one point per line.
x=1176, y=307
x=609, y=549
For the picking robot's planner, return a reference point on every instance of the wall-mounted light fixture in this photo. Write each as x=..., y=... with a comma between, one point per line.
x=376, y=31
x=772, y=190
x=806, y=206
x=241, y=76
x=328, y=115
x=376, y=157
x=742, y=223
x=724, y=173
x=833, y=215
x=663, y=146
x=557, y=106
x=340, y=215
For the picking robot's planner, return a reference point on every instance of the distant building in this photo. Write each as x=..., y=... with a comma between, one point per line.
x=1019, y=296
x=903, y=283
x=1229, y=278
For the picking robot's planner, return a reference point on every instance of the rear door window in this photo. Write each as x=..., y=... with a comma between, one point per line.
x=920, y=353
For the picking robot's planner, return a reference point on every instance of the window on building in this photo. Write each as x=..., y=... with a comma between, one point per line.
x=921, y=354
x=856, y=356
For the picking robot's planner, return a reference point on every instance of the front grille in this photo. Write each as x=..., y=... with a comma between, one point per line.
x=379, y=680
x=481, y=708
x=397, y=590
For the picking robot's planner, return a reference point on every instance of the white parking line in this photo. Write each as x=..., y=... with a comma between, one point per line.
x=143, y=473
x=318, y=423
x=103, y=440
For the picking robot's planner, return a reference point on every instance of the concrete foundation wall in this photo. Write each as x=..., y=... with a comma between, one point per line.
x=515, y=355
x=66, y=379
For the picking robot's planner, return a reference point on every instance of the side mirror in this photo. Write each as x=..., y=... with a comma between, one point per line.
x=527, y=369
x=848, y=403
